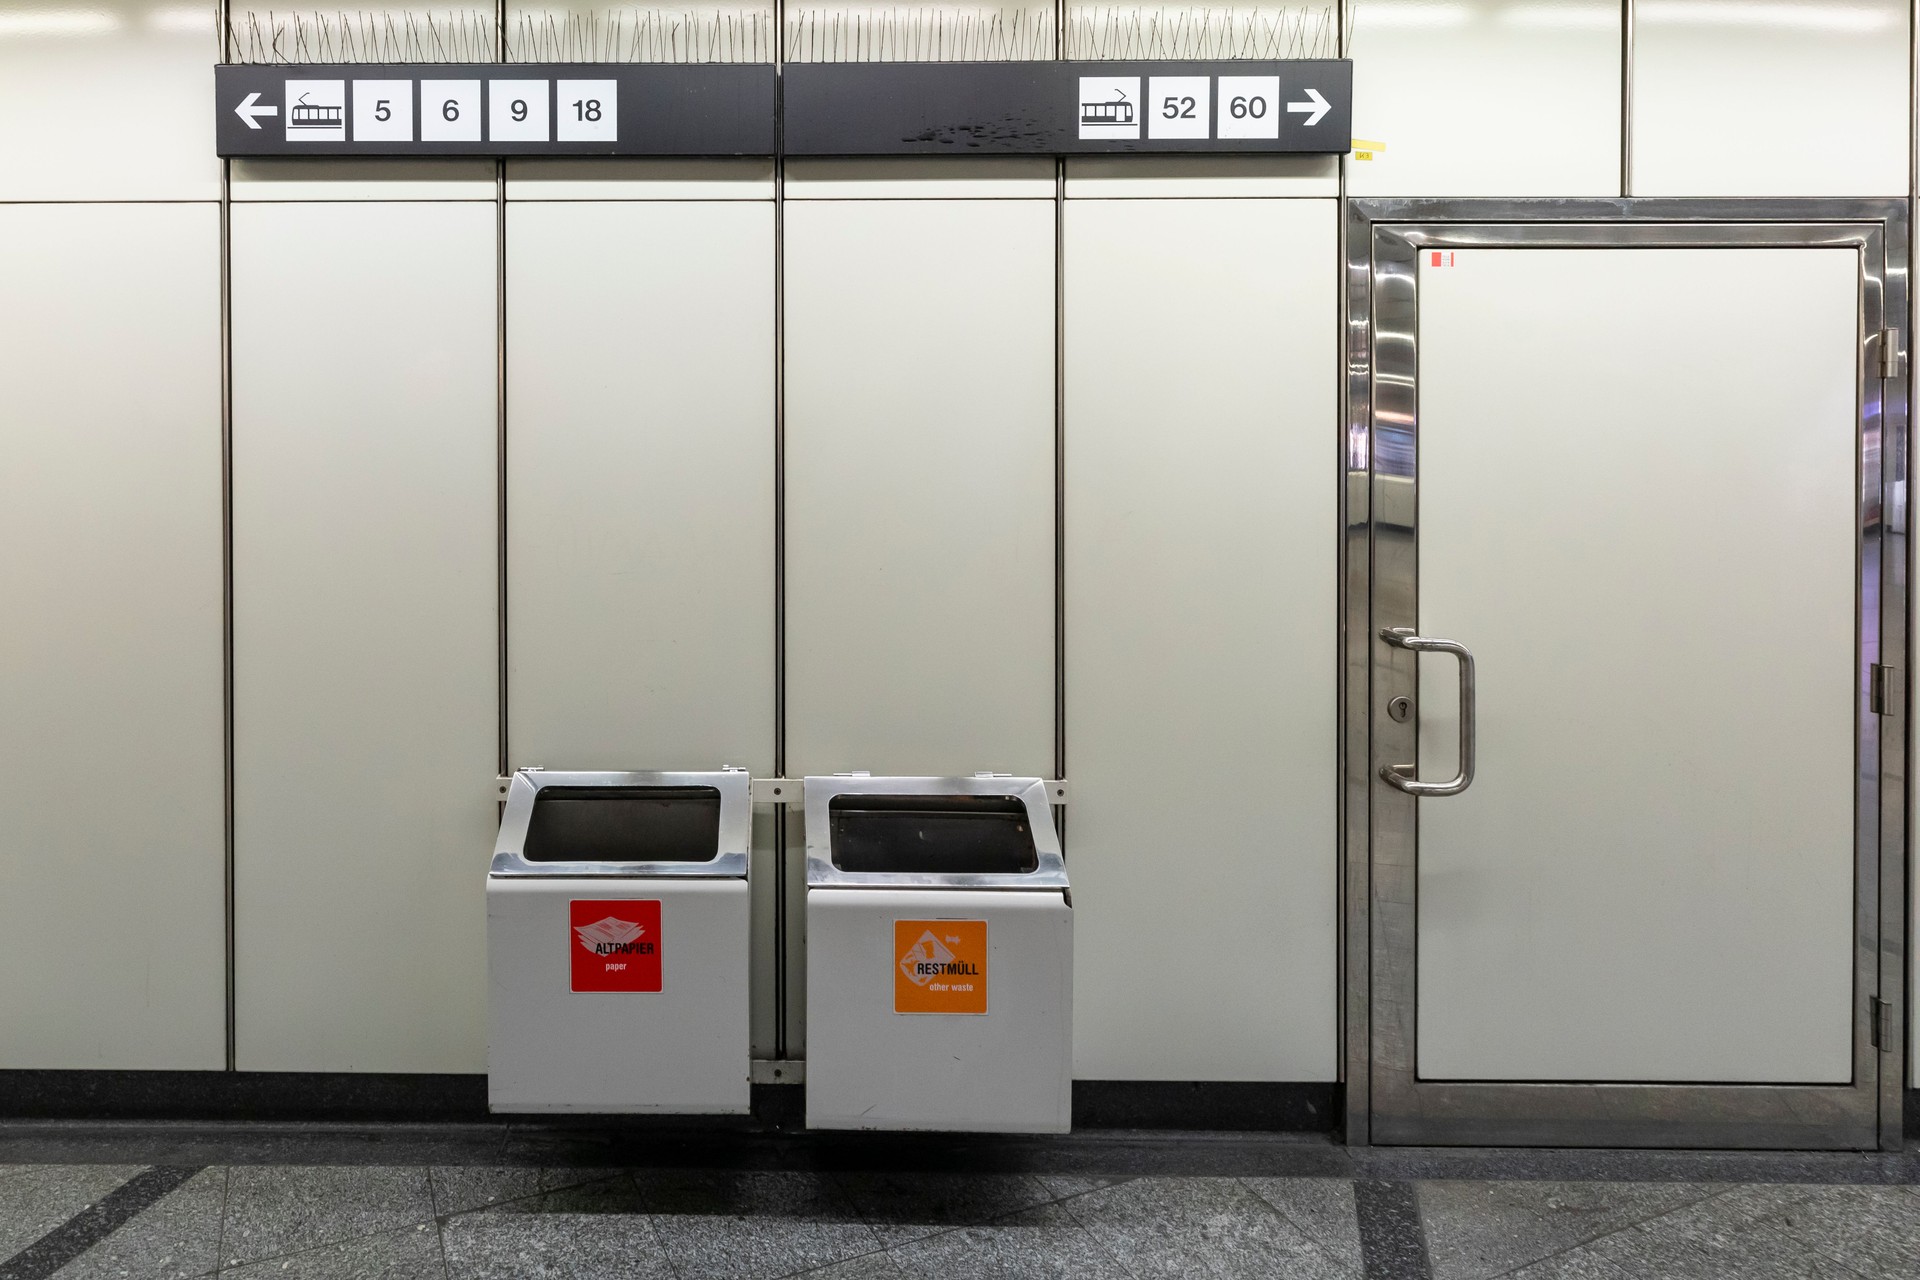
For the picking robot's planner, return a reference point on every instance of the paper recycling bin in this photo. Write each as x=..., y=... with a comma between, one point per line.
x=939, y=956
x=617, y=935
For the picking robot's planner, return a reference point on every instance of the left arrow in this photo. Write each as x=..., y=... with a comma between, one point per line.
x=1318, y=107
x=249, y=109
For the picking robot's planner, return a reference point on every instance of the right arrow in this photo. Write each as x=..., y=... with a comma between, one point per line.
x=1318, y=107
x=248, y=109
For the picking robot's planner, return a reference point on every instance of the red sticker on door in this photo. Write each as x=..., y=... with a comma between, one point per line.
x=615, y=944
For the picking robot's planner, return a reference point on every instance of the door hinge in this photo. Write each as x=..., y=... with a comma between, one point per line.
x=1891, y=356
x=1883, y=689
x=1880, y=1023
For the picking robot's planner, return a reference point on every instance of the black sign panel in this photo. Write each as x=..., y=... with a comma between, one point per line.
x=1066, y=108
x=497, y=109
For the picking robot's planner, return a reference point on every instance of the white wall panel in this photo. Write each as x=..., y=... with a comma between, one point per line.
x=364, y=632
x=640, y=484
x=107, y=100
x=600, y=178
x=1202, y=479
x=374, y=179
x=919, y=418
x=1487, y=97
x=921, y=178
x=112, y=827
x=1188, y=177
x=1770, y=98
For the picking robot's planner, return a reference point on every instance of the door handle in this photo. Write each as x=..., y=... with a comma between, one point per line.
x=1400, y=776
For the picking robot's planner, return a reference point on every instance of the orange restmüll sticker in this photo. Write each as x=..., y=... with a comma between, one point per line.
x=940, y=966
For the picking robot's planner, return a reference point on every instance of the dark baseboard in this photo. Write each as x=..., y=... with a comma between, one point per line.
x=440, y=1099
x=241, y=1095
x=1206, y=1104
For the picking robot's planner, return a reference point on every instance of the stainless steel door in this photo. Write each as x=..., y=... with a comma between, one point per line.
x=1623, y=809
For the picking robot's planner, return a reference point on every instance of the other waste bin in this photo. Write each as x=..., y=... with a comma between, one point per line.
x=939, y=956
x=617, y=936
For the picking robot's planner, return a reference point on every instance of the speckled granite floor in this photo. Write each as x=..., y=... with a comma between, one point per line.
x=317, y=1202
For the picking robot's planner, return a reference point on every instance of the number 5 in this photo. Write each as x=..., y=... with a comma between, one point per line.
x=381, y=111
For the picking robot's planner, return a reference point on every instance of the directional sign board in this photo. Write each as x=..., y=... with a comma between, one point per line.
x=1065, y=108
x=497, y=109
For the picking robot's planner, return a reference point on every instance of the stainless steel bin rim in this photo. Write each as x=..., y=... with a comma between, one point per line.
x=1050, y=873
x=730, y=858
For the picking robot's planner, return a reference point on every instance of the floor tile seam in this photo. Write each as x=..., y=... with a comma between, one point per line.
x=522, y=1199
x=220, y=1236
x=653, y=1233
x=1758, y=1222
x=326, y=1244
x=1300, y=1228
x=1087, y=1229
x=1089, y=1191
x=837, y=1262
x=934, y=1234
x=1625, y=1226
x=440, y=1236
x=1590, y=1240
x=1518, y=1267
x=95, y=1222
x=866, y=1220
x=1002, y=1217
x=1806, y=1246
x=230, y=1268
x=1101, y=1245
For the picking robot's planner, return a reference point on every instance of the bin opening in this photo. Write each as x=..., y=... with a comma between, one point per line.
x=624, y=824
x=936, y=835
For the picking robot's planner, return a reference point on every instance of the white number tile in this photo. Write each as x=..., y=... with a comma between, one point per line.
x=1249, y=107
x=1177, y=107
x=589, y=111
x=450, y=111
x=517, y=111
x=383, y=111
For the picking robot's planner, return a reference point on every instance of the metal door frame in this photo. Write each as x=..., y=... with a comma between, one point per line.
x=1385, y=1101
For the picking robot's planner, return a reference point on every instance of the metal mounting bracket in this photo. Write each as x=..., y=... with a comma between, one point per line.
x=779, y=1071
x=788, y=791
x=792, y=791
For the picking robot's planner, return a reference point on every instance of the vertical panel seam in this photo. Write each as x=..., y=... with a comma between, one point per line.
x=500, y=420
x=1626, y=97
x=781, y=974
x=1060, y=477
x=227, y=859
x=1340, y=851
x=1060, y=448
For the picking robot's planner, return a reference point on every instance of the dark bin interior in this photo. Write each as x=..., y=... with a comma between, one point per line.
x=624, y=824
x=937, y=835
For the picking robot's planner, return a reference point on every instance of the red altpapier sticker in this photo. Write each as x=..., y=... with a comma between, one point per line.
x=615, y=944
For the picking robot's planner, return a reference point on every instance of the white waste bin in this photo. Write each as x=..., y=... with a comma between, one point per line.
x=939, y=956
x=617, y=937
